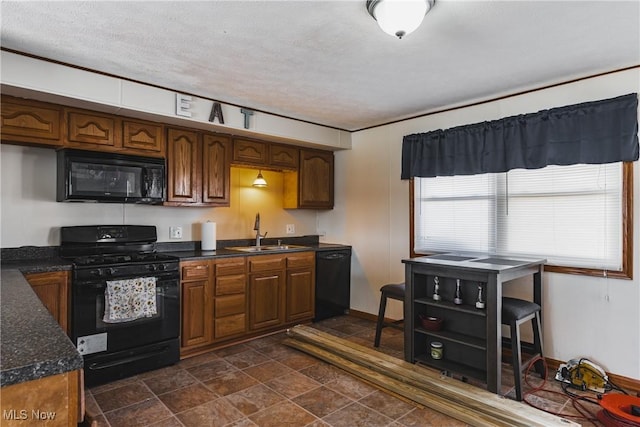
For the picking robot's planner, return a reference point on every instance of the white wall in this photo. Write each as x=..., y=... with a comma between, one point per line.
x=583, y=316
x=31, y=215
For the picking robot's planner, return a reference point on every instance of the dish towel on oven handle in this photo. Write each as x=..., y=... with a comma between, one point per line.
x=129, y=299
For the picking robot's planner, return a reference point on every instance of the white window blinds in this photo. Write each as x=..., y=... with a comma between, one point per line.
x=570, y=215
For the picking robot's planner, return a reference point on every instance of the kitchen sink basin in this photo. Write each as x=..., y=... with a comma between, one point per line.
x=265, y=248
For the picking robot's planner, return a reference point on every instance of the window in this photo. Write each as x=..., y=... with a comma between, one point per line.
x=574, y=216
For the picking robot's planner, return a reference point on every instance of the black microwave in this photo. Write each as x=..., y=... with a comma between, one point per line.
x=109, y=177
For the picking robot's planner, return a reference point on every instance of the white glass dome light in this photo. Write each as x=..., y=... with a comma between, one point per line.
x=399, y=17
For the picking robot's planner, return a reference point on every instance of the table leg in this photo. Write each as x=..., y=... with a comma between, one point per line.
x=494, y=333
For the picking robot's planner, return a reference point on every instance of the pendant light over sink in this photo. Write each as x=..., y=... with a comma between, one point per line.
x=399, y=17
x=259, y=181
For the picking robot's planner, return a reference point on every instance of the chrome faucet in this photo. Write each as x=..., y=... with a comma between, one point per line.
x=256, y=228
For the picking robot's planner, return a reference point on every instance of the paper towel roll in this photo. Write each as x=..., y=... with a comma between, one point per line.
x=208, y=236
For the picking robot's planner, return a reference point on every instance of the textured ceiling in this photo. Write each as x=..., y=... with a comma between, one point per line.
x=327, y=62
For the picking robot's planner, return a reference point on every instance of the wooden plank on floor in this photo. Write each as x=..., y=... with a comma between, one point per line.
x=480, y=402
x=397, y=387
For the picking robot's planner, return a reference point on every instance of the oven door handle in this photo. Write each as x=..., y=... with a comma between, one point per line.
x=97, y=366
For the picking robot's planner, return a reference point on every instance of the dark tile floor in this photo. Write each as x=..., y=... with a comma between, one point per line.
x=265, y=383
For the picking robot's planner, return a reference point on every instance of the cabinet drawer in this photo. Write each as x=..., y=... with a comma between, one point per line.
x=229, y=285
x=230, y=325
x=232, y=304
x=224, y=267
x=301, y=259
x=195, y=271
x=266, y=263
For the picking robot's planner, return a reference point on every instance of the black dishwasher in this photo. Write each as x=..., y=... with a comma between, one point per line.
x=333, y=282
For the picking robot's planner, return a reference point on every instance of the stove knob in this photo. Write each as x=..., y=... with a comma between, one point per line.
x=162, y=267
x=152, y=267
x=96, y=273
x=111, y=271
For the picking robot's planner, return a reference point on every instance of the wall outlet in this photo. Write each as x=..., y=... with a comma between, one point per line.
x=175, y=232
x=291, y=228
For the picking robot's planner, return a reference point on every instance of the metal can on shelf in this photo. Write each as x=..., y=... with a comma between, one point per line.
x=437, y=350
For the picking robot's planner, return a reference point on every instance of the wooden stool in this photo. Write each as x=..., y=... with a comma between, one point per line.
x=515, y=312
x=393, y=291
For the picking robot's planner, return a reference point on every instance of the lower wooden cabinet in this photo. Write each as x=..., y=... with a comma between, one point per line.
x=300, y=303
x=229, y=299
x=281, y=289
x=53, y=290
x=60, y=396
x=213, y=302
x=197, y=305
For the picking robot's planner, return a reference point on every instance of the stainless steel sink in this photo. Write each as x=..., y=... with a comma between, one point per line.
x=266, y=248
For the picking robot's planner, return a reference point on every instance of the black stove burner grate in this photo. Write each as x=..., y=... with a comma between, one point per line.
x=111, y=259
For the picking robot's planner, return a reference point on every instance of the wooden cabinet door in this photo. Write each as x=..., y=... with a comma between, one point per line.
x=30, y=122
x=300, y=295
x=86, y=129
x=316, y=179
x=216, y=163
x=284, y=156
x=300, y=286
x=53, y=290
x=145, y=137
x=266, y=299
x=197, y=318
x=197, y=304
x=183, y=172
x=250, y=152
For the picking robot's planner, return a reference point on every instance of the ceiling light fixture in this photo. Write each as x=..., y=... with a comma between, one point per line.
x=259, y=181
x=399, y=17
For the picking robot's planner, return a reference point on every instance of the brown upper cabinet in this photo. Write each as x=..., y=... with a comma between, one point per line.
x=284, y=156
x=143, y=136
x=198, y=168
x=250, y=152
x=308, y=173
x=198, y=162
x=89, y=130
x=38, y=123
x=86, y=130
x=30, y=122
x=262, y=154
x=311, y=187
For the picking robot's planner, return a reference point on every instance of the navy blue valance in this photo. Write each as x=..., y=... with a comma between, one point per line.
x=596, y=132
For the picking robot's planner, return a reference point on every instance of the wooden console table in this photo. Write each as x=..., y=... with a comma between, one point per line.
x=471, y=337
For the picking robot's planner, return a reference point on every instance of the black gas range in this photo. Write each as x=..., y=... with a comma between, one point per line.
x=125, y=308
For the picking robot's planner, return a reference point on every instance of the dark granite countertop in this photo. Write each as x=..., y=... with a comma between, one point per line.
x=194, y=254
x=32, y=343
x=37, y=265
